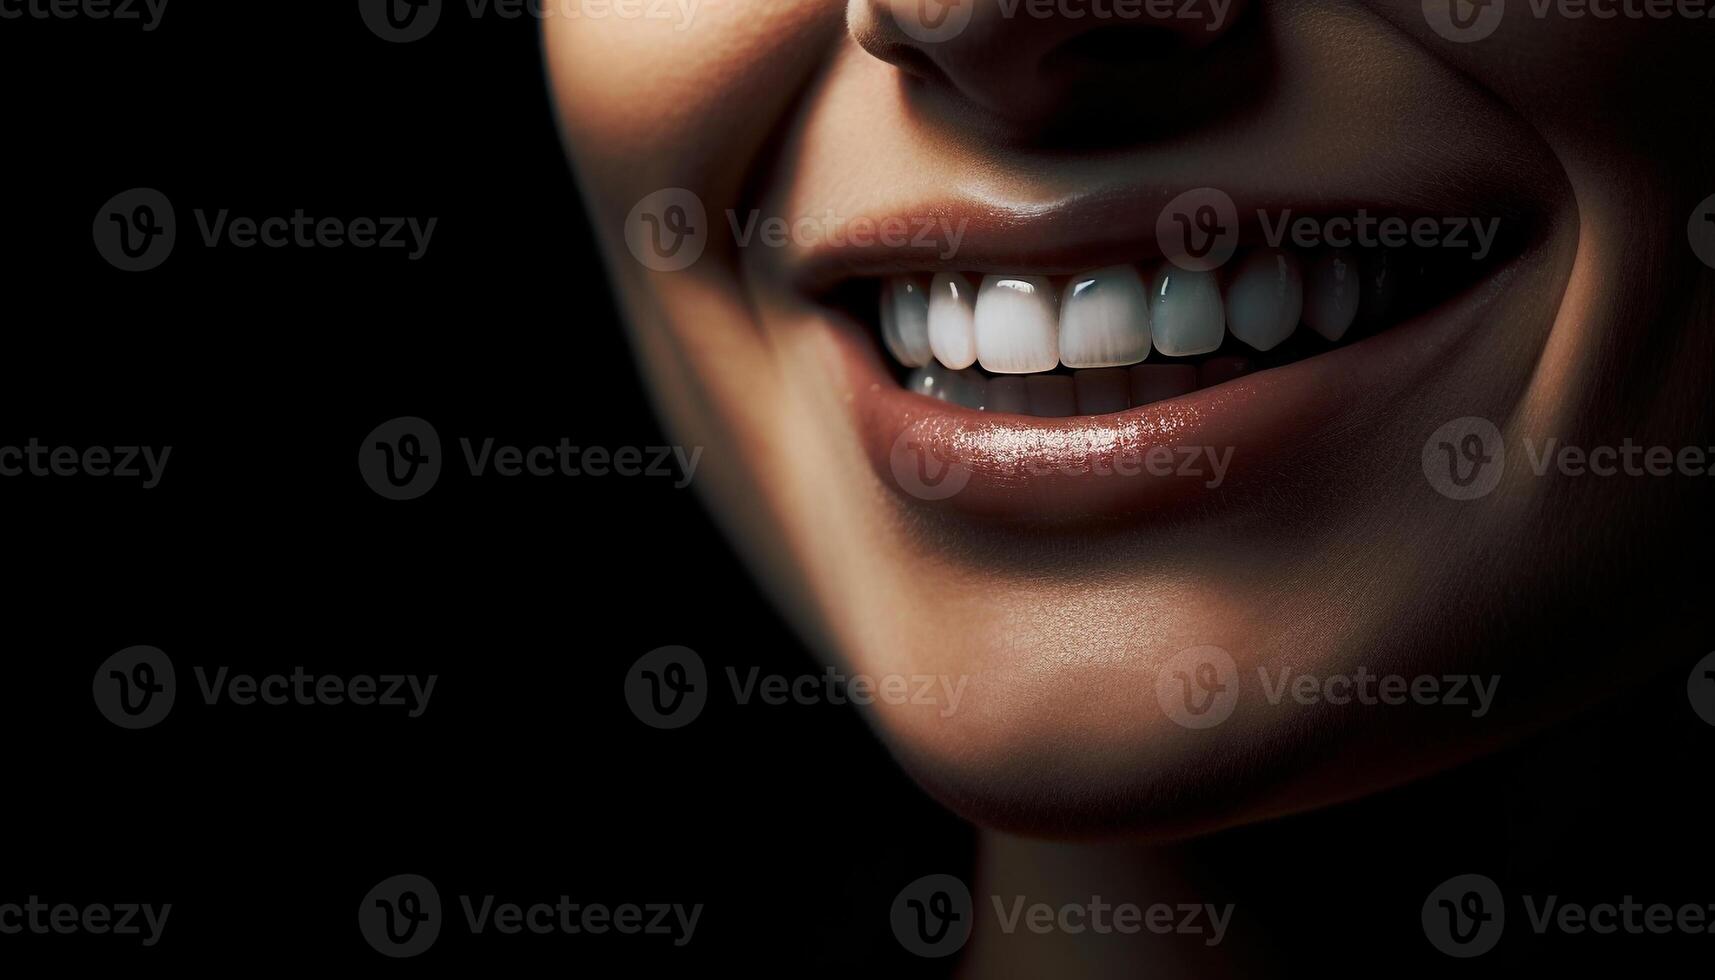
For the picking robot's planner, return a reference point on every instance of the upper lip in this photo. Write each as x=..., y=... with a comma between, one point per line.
x=1097, y=227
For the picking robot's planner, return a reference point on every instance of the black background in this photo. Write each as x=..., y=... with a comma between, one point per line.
x=263, y=549
x=528, y=777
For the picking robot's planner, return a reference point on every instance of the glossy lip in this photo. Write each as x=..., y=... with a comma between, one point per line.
x=1146, y=459
x=942, y=456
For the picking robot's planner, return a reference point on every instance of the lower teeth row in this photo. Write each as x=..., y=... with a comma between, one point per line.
x=1114, y=317
x=1094, y=391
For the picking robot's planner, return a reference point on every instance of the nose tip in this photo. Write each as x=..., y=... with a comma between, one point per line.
x=1026, y=60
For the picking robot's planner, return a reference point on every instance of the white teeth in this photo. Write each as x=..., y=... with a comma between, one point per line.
x=1185, y=311
x=952, y=321
x=1015, y=325
x=1331, y=294
x=1265, y=298
x=1104, y=319
x=1103, y=324
x=905, y=322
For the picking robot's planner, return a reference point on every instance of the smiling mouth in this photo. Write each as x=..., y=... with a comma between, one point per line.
x=1126, y=336
x=1057, y=395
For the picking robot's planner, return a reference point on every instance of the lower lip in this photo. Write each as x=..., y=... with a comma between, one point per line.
x=1144, y=461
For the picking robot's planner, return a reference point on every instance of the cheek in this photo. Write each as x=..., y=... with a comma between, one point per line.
x=684, y=102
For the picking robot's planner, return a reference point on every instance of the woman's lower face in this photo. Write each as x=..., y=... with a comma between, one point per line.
x=1167, y=412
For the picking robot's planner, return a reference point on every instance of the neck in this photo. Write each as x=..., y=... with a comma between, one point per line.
x=1112, y=910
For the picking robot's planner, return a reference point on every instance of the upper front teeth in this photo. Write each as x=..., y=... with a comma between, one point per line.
x=1104, y=319
x=1016, y=325
x=1189, y=315
x=1110, y=317
x=952, y=320
x=1265, y=298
